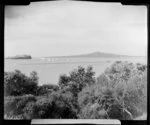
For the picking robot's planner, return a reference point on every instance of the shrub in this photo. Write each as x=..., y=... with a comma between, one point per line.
x=10, y=103
x=120, y=92
x=18, y=84
x=46, y=89
x=55, y=105
x=95, y=102
x=14, y=106
x=77, y=80
x=79, y=76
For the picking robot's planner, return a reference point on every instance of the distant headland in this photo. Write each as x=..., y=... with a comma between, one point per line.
x=94, y=54
x=20, y=57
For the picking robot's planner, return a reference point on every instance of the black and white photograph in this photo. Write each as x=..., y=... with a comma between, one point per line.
x=70, y=59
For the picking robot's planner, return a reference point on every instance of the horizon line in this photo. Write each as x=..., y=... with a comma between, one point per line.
x=80, y=55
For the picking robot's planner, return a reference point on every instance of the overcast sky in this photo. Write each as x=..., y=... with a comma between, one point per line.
x=58, y=28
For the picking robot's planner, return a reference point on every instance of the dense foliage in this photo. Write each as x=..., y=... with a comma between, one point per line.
x=77, y=79
x=46, y=89
x=15, y=105
x=17, y=83
x=118, y=93
x=56, y=105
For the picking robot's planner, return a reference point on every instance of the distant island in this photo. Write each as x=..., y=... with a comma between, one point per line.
x=94, y=54
x=20, y=57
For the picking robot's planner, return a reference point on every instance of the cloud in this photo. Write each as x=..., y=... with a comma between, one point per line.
x=82, y=26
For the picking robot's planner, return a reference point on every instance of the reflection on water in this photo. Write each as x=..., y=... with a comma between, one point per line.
x=49, y=69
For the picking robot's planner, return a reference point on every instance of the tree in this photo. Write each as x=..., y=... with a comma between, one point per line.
x=99, y=102
x=14, y=105
x=46, y=89
x=78, y=79
x=120, y=92
x=17, y=83
x=56, y=105
x=63, y=80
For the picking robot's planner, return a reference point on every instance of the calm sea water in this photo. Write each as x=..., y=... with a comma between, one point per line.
x=49, y=69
